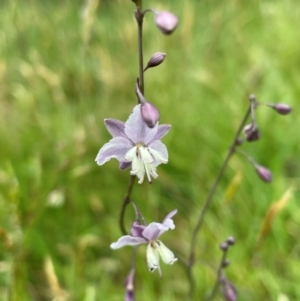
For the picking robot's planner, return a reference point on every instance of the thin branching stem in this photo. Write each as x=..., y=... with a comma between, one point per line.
x=199, y=224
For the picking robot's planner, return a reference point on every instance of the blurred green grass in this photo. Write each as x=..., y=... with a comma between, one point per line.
x=67, y=65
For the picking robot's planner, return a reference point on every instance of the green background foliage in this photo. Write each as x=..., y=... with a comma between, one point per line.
x=67, y=65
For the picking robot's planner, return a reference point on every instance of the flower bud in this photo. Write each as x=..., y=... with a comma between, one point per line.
x=229, y=291
x=251, y=132
x=230, y=240
x=224, y=246
x=150, y=114
x=282, y=108
x=166, y=22
x=129, y=286
x=263, y=173
x=155, y=60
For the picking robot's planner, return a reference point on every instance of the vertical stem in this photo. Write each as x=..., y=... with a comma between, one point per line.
x=208, y=200
x=126, y=201
x=139, y=19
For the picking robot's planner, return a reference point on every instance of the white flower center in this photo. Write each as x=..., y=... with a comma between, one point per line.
x=156, y=249
x=142, y=162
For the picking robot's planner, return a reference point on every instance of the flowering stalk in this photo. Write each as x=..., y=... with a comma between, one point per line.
x=139, y=16
x=231, y=151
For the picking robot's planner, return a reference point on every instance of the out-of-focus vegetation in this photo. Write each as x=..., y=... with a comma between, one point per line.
x=67, y=65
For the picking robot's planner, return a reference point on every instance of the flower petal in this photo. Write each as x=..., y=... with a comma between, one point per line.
x=165, y=253
x=137, y=130
x=128, y=240
x=124, y=165
x=159, y=152
x=115, y=127
x=168, y=222
x=154, y=230
x=152, y=258
x=137, y=166
x=115, y=148
x=137, y=229
x=162, y=130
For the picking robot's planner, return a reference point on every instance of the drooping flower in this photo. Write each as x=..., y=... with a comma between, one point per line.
x=149, y=235
x=135, y=144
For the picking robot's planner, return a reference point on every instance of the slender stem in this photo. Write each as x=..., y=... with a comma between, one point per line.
x=126, y=201
x=219, y=277
x=139, y=19
x=208, y=200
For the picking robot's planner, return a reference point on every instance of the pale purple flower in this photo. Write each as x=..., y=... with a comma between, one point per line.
x=135, y=144
x=149, y=235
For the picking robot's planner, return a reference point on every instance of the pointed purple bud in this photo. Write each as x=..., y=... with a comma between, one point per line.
x=282, y=108
x=166, y=22
x=230, y=240
x=264, y=173
x=129, y=286
x=150, y=114
x=251, y=132
x=229, y=291
x=155, y=60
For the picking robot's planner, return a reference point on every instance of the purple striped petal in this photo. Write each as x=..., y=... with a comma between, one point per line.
x=162, y=130
x=154, y=230
x=115, y=148
x=168, y=222
x=128, y=241
x=137, y=230
x=137, y=130
x=159, y=152
x=115, y=127
x=124, y=165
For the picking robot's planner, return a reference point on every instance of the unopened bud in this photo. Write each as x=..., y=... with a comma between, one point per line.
x=229, y=291
x=129, y=286
x=166, y=22
x=263, y=173
x=251, y=132
x=150, y=114
x=155, y=60
x=224, y=246
x=230, y=240
x=282, y=108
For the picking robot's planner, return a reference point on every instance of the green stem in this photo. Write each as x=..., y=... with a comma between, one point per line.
x=139, y=19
